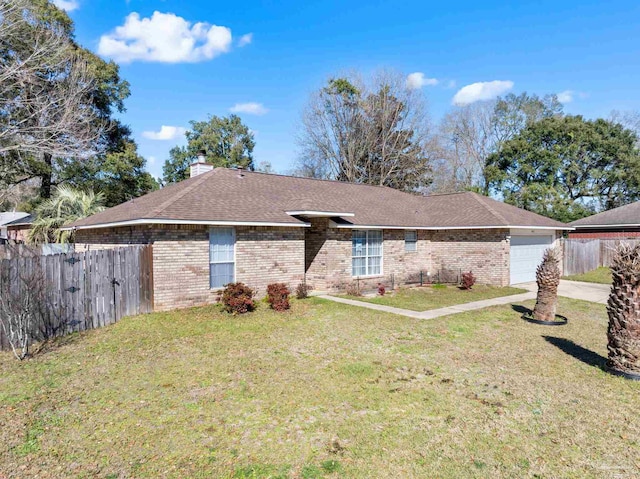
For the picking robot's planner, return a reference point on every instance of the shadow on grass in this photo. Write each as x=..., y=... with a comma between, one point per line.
x=581, y=354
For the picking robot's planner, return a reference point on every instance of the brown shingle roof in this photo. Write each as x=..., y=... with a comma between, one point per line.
x=623, y=215
x=223, y=195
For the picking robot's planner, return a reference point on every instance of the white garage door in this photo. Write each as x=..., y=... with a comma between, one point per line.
x=526, y=255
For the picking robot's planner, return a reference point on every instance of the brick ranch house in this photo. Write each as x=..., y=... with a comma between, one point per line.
x=618, y=223
x=226, y=225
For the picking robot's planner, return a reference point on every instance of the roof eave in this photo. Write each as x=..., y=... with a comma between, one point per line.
x=159, y=221
x=436, y=228
x=626, y=225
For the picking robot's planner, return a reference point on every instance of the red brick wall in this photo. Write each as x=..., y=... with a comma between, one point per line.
x=484, y=252
x=181, y=258
x=604, y=234
x=328, y=257
x=265, y=255
x=18, y=233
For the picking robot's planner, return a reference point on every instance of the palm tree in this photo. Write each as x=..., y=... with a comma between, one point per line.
x=548, y=279
x=624, y=312
x=65, y=206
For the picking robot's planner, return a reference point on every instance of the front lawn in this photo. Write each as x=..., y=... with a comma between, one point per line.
x=326, y=390
x=600, y=275
x=437, y=296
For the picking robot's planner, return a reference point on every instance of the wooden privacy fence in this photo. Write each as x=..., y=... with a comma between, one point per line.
x=583, y=255
x=83, y=290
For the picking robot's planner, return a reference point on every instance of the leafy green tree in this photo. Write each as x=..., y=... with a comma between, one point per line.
x=119, y=175
x=567, y=167
x=512, y=113
x=469, y=134
x=226, y=141
x=176, y=168
x=65, y=206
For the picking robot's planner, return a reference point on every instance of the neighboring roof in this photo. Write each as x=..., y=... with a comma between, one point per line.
x=224, y=196
x=24, y=221
x=627, y=215
x=9, y=216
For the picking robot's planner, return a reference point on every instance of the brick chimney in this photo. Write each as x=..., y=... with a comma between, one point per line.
x=201, y=165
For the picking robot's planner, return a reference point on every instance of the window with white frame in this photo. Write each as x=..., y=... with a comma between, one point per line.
x=221, y=256
x=366, y=253
x=410, y=240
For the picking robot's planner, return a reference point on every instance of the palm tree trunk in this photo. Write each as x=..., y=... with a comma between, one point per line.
x=623, y=308
x=548, y=279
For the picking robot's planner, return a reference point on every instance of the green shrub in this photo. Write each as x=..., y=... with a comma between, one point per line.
x=237, y=298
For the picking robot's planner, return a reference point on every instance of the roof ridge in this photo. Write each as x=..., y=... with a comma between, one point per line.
x=451, y=193
x=166, y=203
x=480, y=199
x=311, y=178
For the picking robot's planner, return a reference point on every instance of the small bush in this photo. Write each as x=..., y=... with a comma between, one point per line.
x=468, y=280
x=353, y=289
x=278, y=296
x=302, y=291
x=381, y=289
x=237, y=298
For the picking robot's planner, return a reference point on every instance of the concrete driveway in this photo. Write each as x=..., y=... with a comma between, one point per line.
x=594, y=292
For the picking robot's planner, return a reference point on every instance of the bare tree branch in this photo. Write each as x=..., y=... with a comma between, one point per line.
x=45, y=88
x=374, y=132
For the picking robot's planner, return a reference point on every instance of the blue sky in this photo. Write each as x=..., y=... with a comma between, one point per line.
x=590, y=49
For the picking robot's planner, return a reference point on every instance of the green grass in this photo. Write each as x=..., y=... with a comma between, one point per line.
x=600, y=275
x=323, y=391
x=437, y=296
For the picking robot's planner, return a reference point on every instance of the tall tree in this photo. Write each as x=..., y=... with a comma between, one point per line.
x=44, y=85
x=567, y=167
x=118, y=174
x=469, y=134
x=56, y=98
x=373, y=133
x=226, y=141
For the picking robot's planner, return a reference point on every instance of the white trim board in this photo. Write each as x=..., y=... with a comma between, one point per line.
x=607, y=226
x=318, y=214
x=443, y=228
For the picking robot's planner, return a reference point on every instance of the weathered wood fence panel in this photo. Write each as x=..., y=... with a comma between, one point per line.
x=581, y=256
x=86, y=290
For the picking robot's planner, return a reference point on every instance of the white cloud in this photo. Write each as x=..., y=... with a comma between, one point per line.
x=67, y=5
x=249, y=108
x=566, y=96
x=151, y=160
x=166, y=133
x=481, y=91
x=417, y=80
x=451, y=84
x=164, y=37
x=245, y=39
